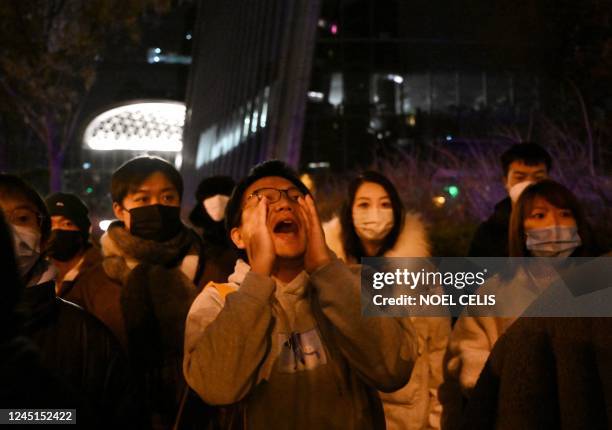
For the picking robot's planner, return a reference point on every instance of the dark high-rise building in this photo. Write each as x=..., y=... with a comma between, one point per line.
x=335, y=83
x=248, y=83
x=391, y=74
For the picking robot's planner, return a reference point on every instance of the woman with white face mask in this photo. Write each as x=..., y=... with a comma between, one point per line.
x=546, y=221
x=208, y=218
x=373, y=223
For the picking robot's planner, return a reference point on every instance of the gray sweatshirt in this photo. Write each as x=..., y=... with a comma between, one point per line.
x=297, y=355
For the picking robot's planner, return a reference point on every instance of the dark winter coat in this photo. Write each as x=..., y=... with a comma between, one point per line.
x=143, y=289
x=27, y=383
x=82, y=352
x=491, y=237
x=220, y=256
x=100, y=295
x=91, y=258
x=547, y=373
x=219, y=252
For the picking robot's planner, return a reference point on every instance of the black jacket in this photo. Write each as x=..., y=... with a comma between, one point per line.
x=26, y=383
x=491, y=237
x=82, y=352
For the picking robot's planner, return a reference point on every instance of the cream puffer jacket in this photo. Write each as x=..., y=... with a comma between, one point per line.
x=416, y=405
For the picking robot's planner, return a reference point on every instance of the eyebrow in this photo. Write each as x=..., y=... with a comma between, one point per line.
x=28, y=207
x=148, y=190
x=523, y=172
x=169, y=189
x=538, y=208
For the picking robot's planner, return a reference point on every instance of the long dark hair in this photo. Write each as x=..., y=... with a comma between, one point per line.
x=352, y=244
x=560, y=197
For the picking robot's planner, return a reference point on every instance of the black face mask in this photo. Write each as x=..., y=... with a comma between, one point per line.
x=65, y=244
x=156, y=222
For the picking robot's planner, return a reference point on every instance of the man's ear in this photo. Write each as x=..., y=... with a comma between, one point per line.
x=119, y=211
x=236, y=236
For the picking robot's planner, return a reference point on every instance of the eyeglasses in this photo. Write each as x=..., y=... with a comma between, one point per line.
x=274, y=194
x=24, y=217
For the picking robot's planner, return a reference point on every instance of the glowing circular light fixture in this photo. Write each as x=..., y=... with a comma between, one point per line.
x=138, y=126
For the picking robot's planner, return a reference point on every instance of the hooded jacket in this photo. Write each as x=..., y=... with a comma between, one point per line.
x=416, y=405
x=296, y=355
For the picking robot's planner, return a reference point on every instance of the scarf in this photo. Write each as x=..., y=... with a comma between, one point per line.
x=157, y=292
x=119, y=244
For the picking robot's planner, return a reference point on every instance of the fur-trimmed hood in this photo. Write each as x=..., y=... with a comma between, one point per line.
x=411, y=242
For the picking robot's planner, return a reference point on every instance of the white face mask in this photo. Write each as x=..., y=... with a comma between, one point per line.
x=26, y=244
x=373, y=223
x=215, y=206
x=517, y=189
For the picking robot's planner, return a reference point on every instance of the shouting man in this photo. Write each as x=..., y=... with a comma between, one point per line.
x=285, y=340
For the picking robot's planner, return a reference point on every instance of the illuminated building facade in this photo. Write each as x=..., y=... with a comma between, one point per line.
x=248, y=83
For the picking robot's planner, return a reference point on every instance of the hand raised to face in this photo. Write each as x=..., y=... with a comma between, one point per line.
x=317, y=253
x=256, y=239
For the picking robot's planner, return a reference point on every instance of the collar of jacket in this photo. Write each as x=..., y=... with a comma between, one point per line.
x=42, y=272
x=411, y=242
x=90, y=258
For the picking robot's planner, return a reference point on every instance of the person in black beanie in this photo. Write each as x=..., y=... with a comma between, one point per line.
x=69, y=248
x=208, y=217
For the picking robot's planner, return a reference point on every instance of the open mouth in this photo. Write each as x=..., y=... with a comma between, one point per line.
x=286, y=226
